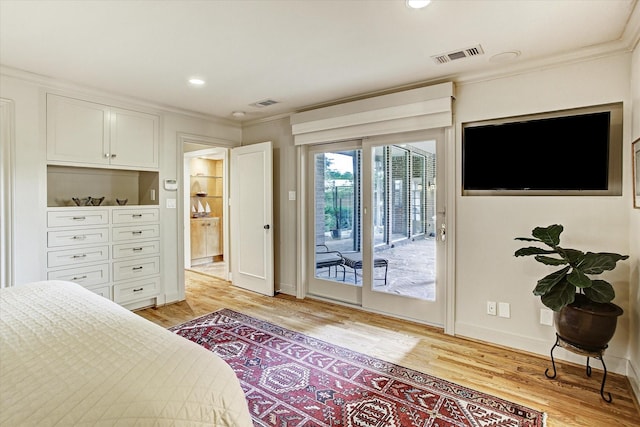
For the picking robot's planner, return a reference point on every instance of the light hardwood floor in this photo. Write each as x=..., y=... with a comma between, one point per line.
x=572, y=399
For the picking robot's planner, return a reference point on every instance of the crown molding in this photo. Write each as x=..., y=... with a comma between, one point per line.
x=54, y=84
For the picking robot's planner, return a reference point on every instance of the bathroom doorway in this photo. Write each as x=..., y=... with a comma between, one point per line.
x=206, y=210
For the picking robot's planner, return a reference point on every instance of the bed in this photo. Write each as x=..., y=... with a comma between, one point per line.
x=71, y=357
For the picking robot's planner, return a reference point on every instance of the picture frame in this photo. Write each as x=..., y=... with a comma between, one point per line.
x=635, y=150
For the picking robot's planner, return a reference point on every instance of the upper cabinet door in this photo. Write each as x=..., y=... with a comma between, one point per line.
x=81, y=133
x=134, y=139
x=77, y=131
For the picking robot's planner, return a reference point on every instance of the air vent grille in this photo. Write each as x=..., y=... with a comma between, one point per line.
x=458, y=54
x=264, y=103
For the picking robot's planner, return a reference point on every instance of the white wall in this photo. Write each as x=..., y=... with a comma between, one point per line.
x=486, y=226
x=284, y=210
x=30, y=174
x=634, y=250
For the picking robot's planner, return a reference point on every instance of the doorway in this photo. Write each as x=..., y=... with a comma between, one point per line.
x=376, y=238
x=206, y=213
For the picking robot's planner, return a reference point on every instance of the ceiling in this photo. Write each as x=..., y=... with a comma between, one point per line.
x=299, y=53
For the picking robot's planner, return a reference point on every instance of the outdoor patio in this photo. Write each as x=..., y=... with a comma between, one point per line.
x=411, y=268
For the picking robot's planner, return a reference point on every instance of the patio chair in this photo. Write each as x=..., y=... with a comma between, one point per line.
x=327, y=259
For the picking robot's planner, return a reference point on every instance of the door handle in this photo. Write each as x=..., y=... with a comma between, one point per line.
x=443, y=232
x=266, y=227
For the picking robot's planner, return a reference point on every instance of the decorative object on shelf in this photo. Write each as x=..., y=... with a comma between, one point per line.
x=584, y=315
x=207, y=208
x=96, y=201
x=201, y=194
x=122, y=202
x=200, y=207
x=635, y=150
x=82, y=202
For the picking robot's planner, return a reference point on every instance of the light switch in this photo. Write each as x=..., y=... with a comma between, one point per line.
x=292, y=195
x=171, y=203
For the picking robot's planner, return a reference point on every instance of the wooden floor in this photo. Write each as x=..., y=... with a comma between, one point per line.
x=572, y=399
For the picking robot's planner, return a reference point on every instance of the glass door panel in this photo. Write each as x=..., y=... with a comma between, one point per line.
x=401, y=255
x=336, y=223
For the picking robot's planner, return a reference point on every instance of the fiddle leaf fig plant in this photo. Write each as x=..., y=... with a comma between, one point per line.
x=558, y=289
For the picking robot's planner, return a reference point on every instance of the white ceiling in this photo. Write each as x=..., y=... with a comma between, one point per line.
x=299, y=52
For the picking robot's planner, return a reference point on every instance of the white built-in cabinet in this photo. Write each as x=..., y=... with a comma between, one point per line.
x=112, y=251
x=82, y=133
x=111, y=153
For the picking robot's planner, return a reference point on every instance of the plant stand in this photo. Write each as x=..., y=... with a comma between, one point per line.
x=597, y=353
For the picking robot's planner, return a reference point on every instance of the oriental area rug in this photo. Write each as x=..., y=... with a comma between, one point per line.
x=293, y=380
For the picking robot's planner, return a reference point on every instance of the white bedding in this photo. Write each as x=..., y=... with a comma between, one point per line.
x=70, y=357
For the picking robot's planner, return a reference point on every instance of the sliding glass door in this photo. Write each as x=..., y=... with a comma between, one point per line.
x=335, y=177
x=375, y=211
x=404, y=256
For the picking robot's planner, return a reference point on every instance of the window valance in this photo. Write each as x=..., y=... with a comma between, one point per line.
x=416, y=109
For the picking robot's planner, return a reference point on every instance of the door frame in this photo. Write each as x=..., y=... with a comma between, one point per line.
x=7, y=162
x=303, y=212
x=183, y=214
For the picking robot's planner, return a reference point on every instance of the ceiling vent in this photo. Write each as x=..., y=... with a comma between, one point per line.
x=264, y=103
x=458, y=54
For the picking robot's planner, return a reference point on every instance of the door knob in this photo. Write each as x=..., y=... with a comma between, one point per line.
x=266, y=227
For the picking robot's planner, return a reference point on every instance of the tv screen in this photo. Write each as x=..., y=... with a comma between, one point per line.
x=553, y=153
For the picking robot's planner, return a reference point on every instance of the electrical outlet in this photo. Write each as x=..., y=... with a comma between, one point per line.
x=546, y=317
x=491, y=308
x=504, y=309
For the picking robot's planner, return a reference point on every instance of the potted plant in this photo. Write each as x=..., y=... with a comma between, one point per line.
x=584, y=314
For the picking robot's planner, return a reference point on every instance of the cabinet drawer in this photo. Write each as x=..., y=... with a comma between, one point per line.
x=78, y=217
x=85, y=276
x=132, y=216
x=126, y=250
x=135, y=232
x=77, y=237
x=132, y=269
x=138, y=289
x=77, y=256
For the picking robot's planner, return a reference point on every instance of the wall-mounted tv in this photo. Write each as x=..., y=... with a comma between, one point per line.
x=569, y=152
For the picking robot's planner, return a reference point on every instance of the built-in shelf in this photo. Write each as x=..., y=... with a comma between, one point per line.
x=66, y=182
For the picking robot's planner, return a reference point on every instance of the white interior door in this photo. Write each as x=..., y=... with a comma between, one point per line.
x=252, y=218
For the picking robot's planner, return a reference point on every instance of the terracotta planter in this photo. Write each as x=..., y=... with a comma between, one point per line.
x=586, y=324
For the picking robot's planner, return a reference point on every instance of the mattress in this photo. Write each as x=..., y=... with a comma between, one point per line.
x=70, y=357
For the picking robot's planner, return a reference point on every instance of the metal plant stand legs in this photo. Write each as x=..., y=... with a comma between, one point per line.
x=595, y=353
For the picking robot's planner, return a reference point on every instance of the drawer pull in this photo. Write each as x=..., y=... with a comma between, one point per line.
x=137, y=268
x=138, y=290
x=136, y=232
x=80, y=237
x=136, y=216
x=79, y=256
x=79, y=277
x=137, y=249
x=79, y=218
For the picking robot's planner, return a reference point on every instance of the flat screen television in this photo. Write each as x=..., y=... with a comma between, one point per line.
x=569, y=152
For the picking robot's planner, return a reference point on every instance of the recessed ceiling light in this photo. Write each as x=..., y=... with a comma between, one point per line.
x=418, y=4
x=238, y=114
x=196, y=81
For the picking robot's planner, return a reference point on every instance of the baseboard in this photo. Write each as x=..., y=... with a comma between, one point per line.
x=615, y=363
x=633, y=373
